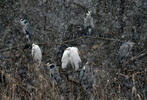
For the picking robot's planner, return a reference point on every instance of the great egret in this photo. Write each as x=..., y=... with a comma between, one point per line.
x=71, y=57
x=36, y=53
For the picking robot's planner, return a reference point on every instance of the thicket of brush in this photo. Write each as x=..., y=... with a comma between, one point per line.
x=115, y=22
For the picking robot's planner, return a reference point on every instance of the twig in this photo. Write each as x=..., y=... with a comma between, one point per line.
x=126, y=76
x=92, y=37
x=83, y=37
x=2, y=93
x=14, y=81
x=8, y=49
x=141, y=72
x=139, y=56
x=79, y=5
x=5, y=33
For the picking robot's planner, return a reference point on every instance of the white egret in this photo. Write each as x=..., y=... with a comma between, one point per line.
x=71, y=57
x=36, y=53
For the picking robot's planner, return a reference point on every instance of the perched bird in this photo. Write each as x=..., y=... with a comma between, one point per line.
x=36, y=53
x=54, y=73
x=144, y=6
x=124, y=51
x=26, y=28
x=79, y=30
x=71, y=57
x=88, y=23
x=69, y=33
x=82, y=72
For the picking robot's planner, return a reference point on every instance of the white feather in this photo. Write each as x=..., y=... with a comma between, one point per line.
x=36, y=53
x=71, y=56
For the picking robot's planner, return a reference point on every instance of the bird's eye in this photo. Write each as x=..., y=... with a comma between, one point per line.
x=25, y=22
x=52, y=66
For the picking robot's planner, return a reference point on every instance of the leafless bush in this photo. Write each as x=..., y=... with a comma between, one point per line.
x=115, y=21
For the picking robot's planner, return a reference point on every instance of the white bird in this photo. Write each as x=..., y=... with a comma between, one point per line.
x=26, y=28
x=71, y=57
x=36, y=53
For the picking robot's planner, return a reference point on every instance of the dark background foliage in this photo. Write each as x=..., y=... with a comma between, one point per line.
x=115, y=21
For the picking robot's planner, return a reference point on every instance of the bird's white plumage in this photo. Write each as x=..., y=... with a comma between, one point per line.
x=71, y=56
x=36, y=53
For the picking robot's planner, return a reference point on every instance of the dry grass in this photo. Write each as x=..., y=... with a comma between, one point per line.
x=21, y=79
